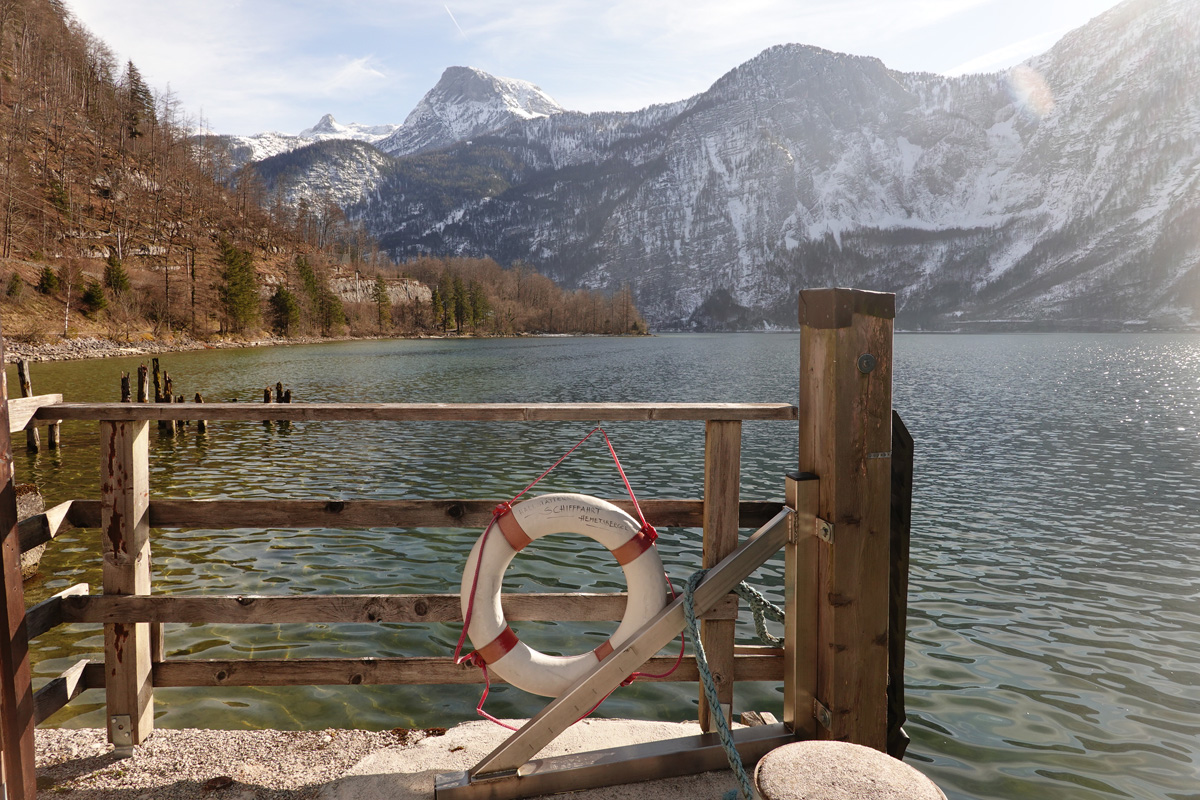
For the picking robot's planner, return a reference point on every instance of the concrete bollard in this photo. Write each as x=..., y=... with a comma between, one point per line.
x=838, y=771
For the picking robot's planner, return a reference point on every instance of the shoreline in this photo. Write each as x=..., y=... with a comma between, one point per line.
x=82, y=348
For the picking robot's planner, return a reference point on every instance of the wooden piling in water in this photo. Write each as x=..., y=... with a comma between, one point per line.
x=33, y=440
x=126, y=392
x=201, y=424
x=143, y=390
x=163, y=391
x=267, y=399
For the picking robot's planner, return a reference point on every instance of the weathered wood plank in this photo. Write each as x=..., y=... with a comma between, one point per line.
x=41, y=528
x=48, y=614
x=399, y=671
x=299, y=514
x=405, y=412
x=260, y=609
x=846, y=439
x=800, y=605
x=722, y=482
x=125, y=537
x=24, y=410
x=16, y=682
x=62, y=690
x=33, y=439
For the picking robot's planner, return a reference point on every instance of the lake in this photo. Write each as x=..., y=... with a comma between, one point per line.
x=1054, y=609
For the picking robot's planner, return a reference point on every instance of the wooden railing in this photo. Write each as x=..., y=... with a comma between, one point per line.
x=835, y=664
x=134, y=664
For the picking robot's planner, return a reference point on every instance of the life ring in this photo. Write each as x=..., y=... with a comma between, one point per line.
x=497, y=644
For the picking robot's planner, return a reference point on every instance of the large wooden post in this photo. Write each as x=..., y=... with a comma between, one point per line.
x=125, y=535
x=846, y=439
x=19, y=776
x=722, y=484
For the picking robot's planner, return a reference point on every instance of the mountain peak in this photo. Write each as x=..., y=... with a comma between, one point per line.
x=326, y=125
x=467, y=102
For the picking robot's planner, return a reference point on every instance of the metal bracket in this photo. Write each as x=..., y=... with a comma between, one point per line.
x=122, y=735
x=822, y=714
x=825, y=530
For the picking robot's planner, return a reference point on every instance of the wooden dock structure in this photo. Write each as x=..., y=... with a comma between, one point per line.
x=838, y=524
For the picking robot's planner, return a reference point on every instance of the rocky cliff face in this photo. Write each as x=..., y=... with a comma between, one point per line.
x=1064, y=192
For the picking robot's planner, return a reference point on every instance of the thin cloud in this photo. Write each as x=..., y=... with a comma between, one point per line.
x=1004, y=57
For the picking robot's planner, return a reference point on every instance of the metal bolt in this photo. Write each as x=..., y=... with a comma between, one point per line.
x=866, y=363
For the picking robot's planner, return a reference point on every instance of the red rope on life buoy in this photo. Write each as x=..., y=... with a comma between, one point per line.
x=645, y=539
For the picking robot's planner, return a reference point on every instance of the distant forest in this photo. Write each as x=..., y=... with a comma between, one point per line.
x=117, y=220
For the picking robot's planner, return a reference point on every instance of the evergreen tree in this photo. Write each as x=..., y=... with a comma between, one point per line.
x=479, y=306
x=239, y=288
x=327, y=306
x=47, y=281
x=383, y=303
x=436, y=306
x=285, y=311
x=93, y=298
x=115, y=277
x=15, y=286
x=139, y=111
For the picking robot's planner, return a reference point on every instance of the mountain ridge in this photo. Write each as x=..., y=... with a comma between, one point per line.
x=1064, y=190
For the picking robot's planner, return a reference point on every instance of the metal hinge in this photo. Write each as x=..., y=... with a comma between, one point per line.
x=825, y=530
x=822, y=714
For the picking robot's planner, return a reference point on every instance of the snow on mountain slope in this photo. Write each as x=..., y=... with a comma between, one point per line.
x=1066, y=190
x=467, y=102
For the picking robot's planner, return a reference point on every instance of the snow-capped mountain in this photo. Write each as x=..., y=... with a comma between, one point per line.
x=467, y=102
x=1063, y=192
x=245, y=149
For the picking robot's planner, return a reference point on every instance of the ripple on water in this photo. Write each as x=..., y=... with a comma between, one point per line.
x=1054, y=627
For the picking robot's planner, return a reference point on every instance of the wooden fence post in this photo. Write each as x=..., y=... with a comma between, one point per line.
x=125, y=534
x=19, y=775
x=846, y=439
x=722, y=484
x=33, y=440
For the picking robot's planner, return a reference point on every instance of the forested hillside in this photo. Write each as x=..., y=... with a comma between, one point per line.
x=116, y=219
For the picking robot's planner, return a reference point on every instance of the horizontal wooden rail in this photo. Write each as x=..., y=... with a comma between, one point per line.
x=41, y=528
x=765, y=666
x=307, y=608
x=79, y=677
x=48, y=614
x=21, y=410
x=300, y=514
x=413, y=412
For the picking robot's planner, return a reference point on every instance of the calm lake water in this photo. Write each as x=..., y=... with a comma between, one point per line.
x=1054, y=628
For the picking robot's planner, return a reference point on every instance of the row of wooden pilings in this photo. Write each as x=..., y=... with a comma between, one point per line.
x=33, y=439
x=164, y=393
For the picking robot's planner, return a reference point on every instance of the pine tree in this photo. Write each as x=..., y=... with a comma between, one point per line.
x=285, y=311
x=139, y=111
x=383, y=303
x=115, y=277
x=93, y=298
x=239, y=289
x=47, y=281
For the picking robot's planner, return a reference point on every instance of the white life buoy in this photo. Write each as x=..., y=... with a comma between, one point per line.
x=495, y=642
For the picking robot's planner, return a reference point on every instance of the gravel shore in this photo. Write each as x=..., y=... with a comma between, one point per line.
x=95, y=347
x=184, y=764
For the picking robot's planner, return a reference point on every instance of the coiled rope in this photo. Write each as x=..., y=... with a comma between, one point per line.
x=762, y=608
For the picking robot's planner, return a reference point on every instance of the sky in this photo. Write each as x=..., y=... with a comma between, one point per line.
x=246, y=66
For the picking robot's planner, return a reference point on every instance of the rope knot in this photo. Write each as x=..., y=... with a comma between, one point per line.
x=501, y=509
x=648, y=531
